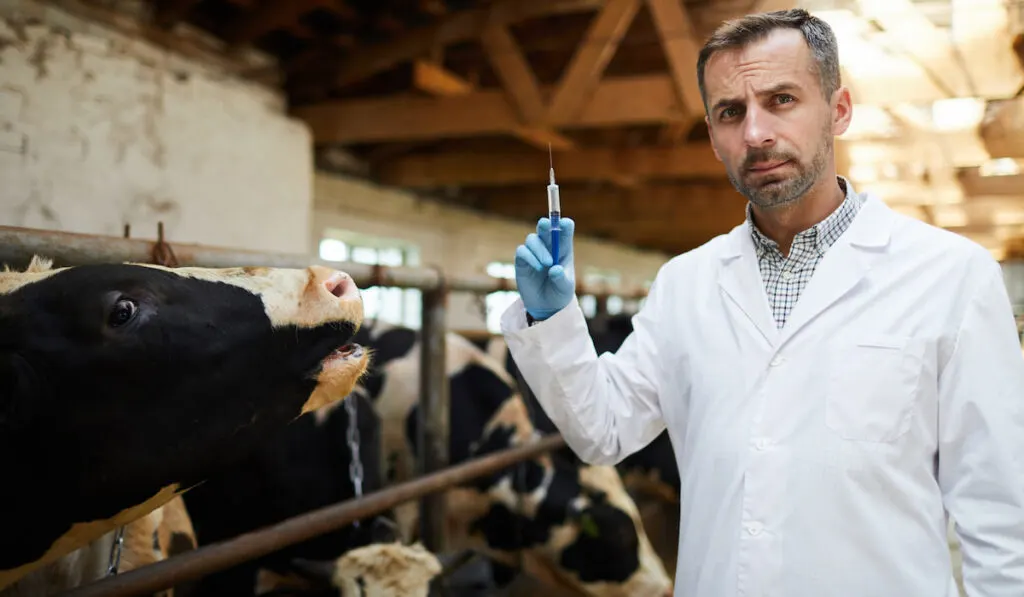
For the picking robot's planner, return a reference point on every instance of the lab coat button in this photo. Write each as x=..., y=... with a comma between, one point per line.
x=755, y=528
x=778, y=361
x=761, y=444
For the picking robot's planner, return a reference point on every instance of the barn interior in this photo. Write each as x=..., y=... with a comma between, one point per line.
x=419, y=133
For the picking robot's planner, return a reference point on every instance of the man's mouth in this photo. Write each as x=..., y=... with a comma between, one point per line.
x=763, y=167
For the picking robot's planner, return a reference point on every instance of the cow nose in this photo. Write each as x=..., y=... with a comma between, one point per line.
x=337, y=283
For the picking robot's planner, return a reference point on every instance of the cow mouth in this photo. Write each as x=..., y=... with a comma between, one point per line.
x=344, y=353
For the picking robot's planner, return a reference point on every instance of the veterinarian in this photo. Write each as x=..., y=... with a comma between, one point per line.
x=835, y=377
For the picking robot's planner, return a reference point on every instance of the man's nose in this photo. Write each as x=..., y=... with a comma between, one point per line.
x=757, y=128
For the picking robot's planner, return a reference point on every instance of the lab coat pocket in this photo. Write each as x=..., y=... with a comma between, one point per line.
x=872, y=388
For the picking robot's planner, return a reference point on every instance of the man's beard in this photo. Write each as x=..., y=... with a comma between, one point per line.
x=776, y=190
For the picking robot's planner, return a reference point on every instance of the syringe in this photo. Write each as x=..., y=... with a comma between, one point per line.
x=554, y=209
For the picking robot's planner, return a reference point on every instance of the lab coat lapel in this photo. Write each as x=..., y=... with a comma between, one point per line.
x=740, y=279
x=845, y=265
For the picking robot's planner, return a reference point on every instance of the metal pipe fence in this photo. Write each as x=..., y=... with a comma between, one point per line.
x=224, y=554
x=19, y=245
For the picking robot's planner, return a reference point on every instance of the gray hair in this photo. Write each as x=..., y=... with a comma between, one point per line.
x=740, y=32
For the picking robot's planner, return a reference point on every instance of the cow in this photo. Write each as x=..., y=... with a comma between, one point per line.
x=650, y=475
x=301, y=467
x=651, y=471
x=571, y=525
x=376, y=570
x=164, y=532
x=124, y=385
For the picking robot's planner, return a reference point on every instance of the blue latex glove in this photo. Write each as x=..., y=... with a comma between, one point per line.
x=545, y=288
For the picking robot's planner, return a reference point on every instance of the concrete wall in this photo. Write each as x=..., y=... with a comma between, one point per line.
x=98, y=130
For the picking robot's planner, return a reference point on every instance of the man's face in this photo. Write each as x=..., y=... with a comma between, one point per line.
x=769, y=122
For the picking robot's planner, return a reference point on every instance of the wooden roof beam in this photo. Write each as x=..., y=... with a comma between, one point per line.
x=929, y=46
x=518, y=81
x=277, y=14
x=438, y=81
x=590, y=59
x=677, y=39
x=698, y=201
x=456, y=27
x=584, y=165
x=974, y=184
x=1000, y=130
x=167, y=13
x=675, y=217
x=615, y=102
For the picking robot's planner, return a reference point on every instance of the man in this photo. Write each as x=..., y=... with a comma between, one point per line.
x=833, y=375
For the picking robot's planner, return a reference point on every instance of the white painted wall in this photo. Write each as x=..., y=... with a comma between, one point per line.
x=98, y=130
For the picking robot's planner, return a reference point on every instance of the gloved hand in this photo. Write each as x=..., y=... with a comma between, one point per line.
x=545, y=288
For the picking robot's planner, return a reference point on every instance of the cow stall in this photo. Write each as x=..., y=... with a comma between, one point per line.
x=19, y=245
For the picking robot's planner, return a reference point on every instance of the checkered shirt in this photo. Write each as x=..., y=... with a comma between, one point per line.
x=786, y=277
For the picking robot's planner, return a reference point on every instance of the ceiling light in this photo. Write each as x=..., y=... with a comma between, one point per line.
x=999, y=167
x=870, y=121
x=957, y=113
x=861, y=173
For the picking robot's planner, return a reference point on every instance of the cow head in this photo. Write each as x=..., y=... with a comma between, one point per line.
x=380, y=570
x=123, y=385
x=572, y=525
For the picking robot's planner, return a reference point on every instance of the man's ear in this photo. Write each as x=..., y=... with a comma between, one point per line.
x=19, y=389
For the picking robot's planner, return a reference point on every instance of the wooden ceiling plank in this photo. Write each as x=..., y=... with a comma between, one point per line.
x=974, y=184
x=168, y=12
x=433, y=79
x=583, y=165
x=929, y=47
x=590, y=59
x=457, y=27
x=440, y=82
x=676, y=32
x=616, y=102
x=269, y=16
x=514, y=72
x=675, y=218
x=1000, y=130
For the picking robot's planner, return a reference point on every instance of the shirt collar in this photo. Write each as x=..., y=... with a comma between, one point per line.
x=823, y=234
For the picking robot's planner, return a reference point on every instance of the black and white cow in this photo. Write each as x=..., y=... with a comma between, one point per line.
x=571, y=525
x=122, y=386
x=299, y=468
x=650, y=471
x=650, y=475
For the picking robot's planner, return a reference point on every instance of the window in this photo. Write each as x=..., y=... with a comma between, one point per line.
x=499, y=301
x=398, y=306
x=600, y=279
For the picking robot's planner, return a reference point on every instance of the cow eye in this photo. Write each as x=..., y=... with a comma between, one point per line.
x=123, y=312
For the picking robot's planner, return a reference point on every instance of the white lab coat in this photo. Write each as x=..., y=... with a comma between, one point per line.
x=816, y=460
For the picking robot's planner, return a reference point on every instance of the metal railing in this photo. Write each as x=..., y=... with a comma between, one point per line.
x=248, y=546
x=19, y=245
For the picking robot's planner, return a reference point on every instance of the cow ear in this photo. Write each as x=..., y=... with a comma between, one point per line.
x=19, y=389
